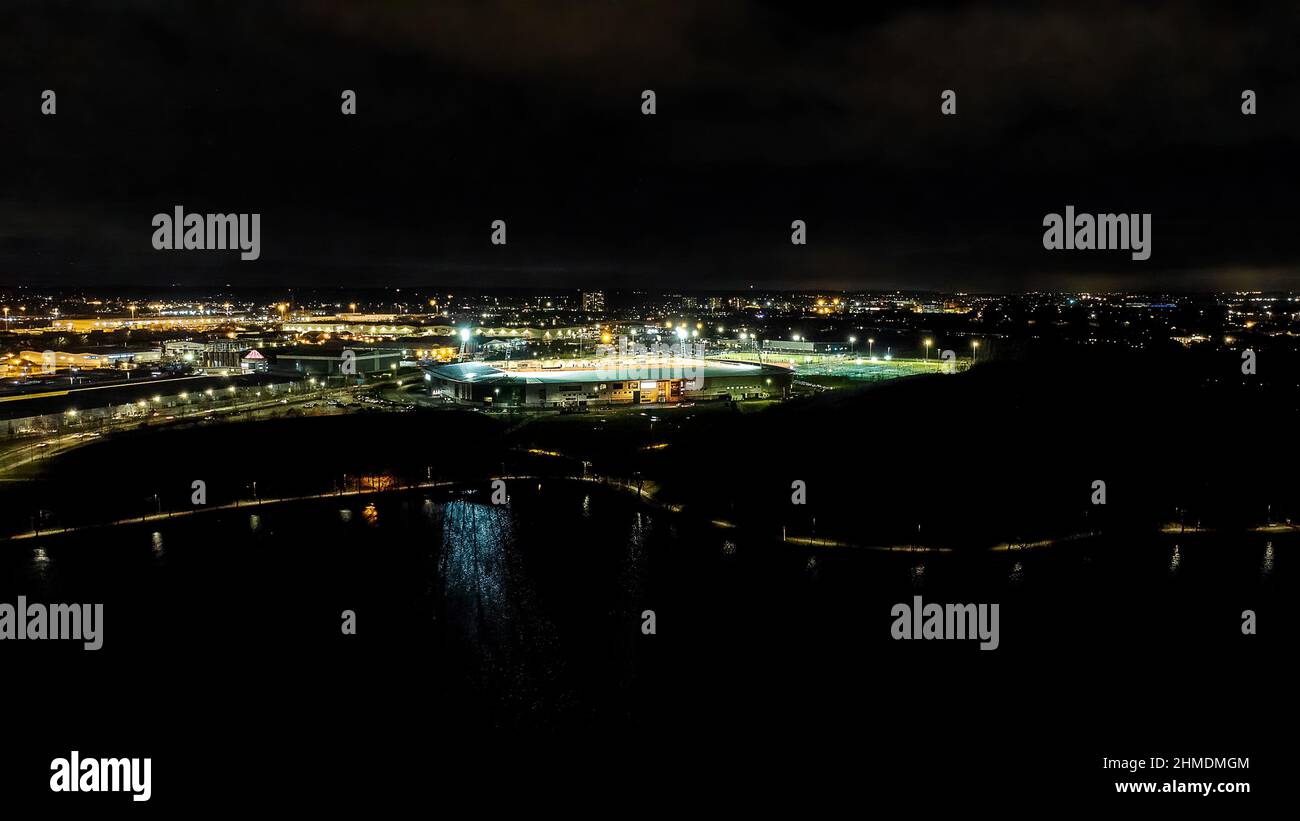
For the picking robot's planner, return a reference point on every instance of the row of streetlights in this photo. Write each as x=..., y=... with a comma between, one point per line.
x=974, y=347
x=871, y=343
x=184, y=396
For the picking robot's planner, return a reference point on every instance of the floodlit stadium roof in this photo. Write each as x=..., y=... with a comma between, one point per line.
x=613, y=371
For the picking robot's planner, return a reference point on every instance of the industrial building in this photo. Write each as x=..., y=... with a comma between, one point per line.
x=215, y=353
x=805, y=347
x=324, y=361
x=644, y=381
x=93, y=358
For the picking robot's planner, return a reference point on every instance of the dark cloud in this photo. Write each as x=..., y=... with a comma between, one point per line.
x=767, y=112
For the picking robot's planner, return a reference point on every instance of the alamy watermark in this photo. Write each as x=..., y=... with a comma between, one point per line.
x=208, y=232
x=76, y=774
x=1102, y=232
x=632, y=360
x=946, y=621
x=54, y=622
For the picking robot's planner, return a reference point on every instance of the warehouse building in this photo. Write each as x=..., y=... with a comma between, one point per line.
x=322, y=361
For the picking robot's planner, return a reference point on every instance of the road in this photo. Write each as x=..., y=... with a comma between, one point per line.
x=645, y=492
x=23, y=452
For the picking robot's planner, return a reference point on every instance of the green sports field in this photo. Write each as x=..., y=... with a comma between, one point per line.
x=858, y=368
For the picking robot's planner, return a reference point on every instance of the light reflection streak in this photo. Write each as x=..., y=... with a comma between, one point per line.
x=491, y=604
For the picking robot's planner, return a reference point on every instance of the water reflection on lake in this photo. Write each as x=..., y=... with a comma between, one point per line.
x=529, y=613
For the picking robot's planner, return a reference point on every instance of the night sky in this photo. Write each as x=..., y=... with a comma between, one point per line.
x=767, y=112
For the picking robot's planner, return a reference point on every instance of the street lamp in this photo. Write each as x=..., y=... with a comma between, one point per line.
x=871, y=344
x=974, y=346
x=927, y=349
x=853, y=340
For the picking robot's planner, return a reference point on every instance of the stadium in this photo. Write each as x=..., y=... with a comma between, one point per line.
x=641, y=381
